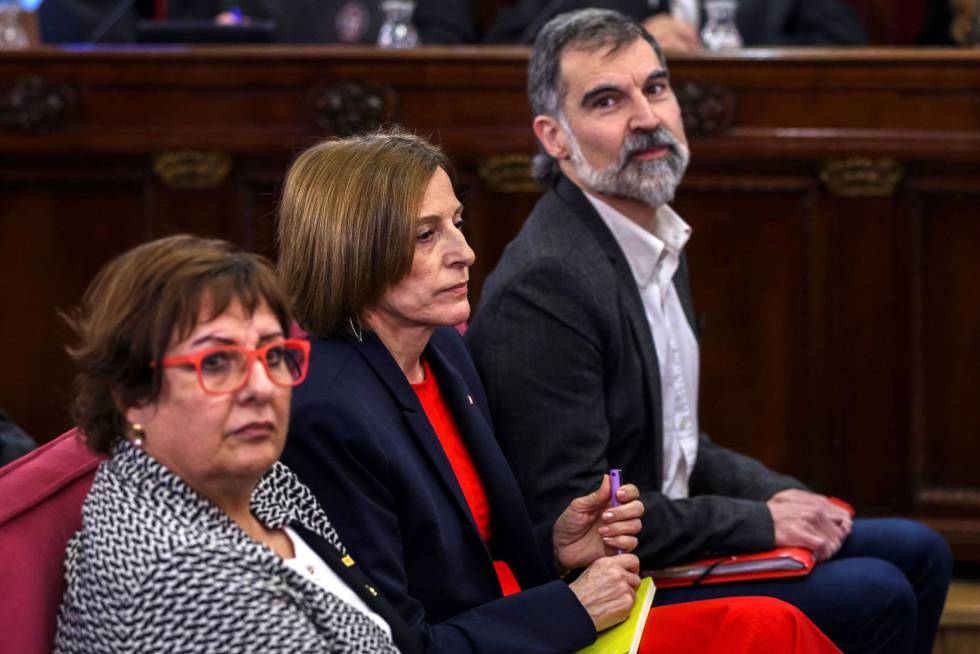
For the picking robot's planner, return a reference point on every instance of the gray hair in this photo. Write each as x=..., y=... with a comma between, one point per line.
x=585, y=29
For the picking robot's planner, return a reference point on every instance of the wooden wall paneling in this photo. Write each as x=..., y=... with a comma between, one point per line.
x=950, y=288
x=54, y=235
x=946, y=375
x=748, y=256
x=258, y=184
x=868, y=351
x=493, y=217
x=209, y=212
x=258, y=199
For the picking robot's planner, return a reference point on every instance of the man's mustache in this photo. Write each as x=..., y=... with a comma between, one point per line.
x=645, y=140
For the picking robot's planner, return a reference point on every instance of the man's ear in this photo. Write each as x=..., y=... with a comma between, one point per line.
x=551, y=136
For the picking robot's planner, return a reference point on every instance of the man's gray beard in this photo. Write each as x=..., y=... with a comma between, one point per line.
x=652, y=182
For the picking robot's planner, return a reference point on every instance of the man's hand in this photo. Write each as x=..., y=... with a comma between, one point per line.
x=590, y=528
x=672, y=33
x=804, y=519
x=607, y=589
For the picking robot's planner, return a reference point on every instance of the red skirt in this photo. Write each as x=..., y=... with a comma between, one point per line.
x=736, y=625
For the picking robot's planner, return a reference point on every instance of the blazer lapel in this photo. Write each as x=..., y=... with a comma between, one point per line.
x=629, y=295
x=508, y=515
x=350, y=574
x=378, y=357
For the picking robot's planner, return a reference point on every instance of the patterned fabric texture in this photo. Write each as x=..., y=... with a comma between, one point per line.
x=158, y=568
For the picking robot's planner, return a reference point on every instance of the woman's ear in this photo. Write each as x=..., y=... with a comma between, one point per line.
x=132, y=414
x=135, y=415
x=551, y=135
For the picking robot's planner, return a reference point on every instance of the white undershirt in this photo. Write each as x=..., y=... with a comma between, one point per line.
x=653, y=257
x=309, y=564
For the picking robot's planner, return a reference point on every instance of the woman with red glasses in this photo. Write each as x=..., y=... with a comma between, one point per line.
x=193, y=537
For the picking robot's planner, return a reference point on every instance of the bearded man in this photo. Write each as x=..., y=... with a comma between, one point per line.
x=587, y=343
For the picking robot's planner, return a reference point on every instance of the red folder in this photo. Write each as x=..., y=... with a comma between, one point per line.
x=780, y=562
x=771, y=564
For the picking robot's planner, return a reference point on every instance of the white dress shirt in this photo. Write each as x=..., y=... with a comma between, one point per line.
x=309, y=564
x=653, y=257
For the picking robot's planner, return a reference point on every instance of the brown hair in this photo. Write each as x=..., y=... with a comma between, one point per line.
x=347, y=220
x=133, y=308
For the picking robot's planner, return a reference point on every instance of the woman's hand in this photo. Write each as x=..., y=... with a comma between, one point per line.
x=607, y=589
x=591, y=528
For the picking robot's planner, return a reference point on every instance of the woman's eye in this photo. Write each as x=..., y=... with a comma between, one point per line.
x=216, y=362
x=275, y=355
x=460, y=224
x=425, y=236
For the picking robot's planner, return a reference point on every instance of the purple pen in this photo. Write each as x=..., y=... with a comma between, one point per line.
x=615, y=476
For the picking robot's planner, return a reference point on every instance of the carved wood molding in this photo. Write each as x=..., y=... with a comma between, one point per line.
x=192, y=169
x=34, y=105
x=949, y=496
x=509, y=173
x=707, y=108
x=347, y=107
x=862, y=176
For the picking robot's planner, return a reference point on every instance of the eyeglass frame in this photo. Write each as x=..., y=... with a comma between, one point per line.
x=251, y=355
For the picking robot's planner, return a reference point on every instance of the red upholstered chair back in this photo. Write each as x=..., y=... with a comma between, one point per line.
x=41, y=497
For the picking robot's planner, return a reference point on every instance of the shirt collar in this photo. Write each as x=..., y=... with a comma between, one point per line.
x=279, y=497
x=643, y=249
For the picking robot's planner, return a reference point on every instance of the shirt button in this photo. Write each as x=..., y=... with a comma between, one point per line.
x=310, y=569
x=469, y=398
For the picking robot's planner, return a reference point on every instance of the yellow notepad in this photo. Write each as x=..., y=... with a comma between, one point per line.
x=625, y=637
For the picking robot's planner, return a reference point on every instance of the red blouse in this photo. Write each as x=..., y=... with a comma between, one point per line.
x=444, y=425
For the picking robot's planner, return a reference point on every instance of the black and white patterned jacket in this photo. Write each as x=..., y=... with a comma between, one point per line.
x=158, y=568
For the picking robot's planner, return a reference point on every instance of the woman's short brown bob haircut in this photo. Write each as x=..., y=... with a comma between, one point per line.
x=137, y=304
x=347, y=222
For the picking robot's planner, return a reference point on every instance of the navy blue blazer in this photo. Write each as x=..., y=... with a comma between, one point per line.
x=360, y=440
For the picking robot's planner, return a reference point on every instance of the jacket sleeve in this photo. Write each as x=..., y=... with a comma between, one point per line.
x=203, y=600
x=721, y=471
x=544, y=346
x=334, y=449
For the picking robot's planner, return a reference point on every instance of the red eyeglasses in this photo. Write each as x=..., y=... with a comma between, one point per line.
x=226, y=368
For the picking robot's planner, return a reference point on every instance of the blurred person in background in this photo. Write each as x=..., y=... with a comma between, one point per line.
x=295, y=21
x=676, y=24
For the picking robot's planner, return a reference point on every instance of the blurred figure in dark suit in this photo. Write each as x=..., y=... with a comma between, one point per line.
x=297, y=21
x=951, y=22
x=76, y=21
x=676, y=23
x=357, y=21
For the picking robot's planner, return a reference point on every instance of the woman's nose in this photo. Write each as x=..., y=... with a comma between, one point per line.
x=462, y=252
x=259, y=382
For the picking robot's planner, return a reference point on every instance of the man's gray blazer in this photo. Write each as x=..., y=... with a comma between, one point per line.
x=564, y=348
